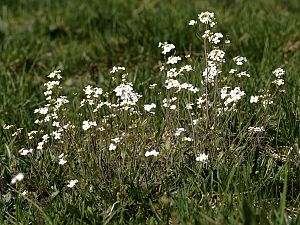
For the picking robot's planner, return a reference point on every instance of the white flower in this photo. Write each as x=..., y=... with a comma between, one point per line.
x=171, y=83
x=187, y=139
x=56, y=134
x=40, y=145
x=278, y=82
x=232, y=71
x=215, y=38
x=279, y=72
x=239, y=60
x=18, y=131
x=172, y=73
x=116, y=140
x=216, y=55
x=88, y=124
x=207, y=18
x=233, y=96
x=112, y=147
x=173, y=59
x=172, y=107
x=72, y=183
x=166, y=47
x=18, y=177
x=55, y=73
x=149, y=107
x=202, y=157
x=243, y=74
x=7, y=127
x=55, y=124
x=62, y=161
x=45, y=137
x=185, y=68
x=192, y=22
x=127, y=95
x=211, y=72
x=207, y=34
x=24, y=151
x=151, y=153
x=254, y=99
x=42, y=111
x=179, y=131
x=97, y=92
x=88, y=90
x=152, y=86
x=256, y=129
x=117, y=69
x=31, y=134
x=50, y=84
x=189, y=106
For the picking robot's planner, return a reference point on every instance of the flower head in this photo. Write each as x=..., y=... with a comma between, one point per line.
x=207, y=18
x=18, y=177
x=202, y=157
x=151, y=153
x=72, y=183
x=166, y=47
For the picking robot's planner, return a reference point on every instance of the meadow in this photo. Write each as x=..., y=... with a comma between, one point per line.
x=149, y=112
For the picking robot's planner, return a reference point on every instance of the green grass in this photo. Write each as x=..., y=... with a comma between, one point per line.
x=248, y=179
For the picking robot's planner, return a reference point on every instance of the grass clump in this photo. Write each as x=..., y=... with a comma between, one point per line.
x=202, y=144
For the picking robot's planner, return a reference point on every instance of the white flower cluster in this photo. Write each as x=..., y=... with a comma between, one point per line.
x=254, y=99
x=207, y=18
x=232, y=96
x=127, y=95
x=112, y=147
x=256, y=129
x=279, y=73
x=24, y=151
x=202, y=157
x=7, y=127
x=151, y=153
x=50, y=110
x=18, y=177
x=91, y=91
x=192, y=22
x=179, y=131
x=149, y=107
x=92, y=97
x=169, y=103
x=166, y=47
x=62, y=159
x=210, y=72
x=171, y=83
x=243, y=74
x=173, y=72
x=213, y=38
x=88, y=124
x=117, y=69
x=72, y=183
x=265, y=99
x=239, y=60
x=55, y=74
x=51, y=113
x=173, y=59
x=217, y=56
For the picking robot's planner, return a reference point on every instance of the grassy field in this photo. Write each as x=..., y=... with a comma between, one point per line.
x=158, y=142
